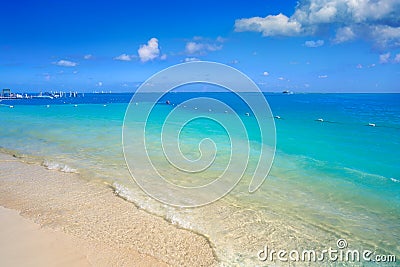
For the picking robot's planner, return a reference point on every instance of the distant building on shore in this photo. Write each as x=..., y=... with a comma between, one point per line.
x=6, y=93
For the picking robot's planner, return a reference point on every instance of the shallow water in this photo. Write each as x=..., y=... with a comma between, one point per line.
x=334, y=179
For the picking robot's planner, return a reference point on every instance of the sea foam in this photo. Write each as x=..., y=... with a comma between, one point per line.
x=395, y=180
x=50, y=165
x=167, y=212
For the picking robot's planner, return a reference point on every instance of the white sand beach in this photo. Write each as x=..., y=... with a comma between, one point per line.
x=50, y=218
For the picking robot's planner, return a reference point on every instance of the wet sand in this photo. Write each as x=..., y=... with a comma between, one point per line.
x=59, y=219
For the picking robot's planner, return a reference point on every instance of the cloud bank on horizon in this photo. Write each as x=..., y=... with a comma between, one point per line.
x=372, y=20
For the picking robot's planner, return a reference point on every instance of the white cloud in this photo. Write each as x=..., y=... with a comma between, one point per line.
x=324, y=15
x=281, y=78
x=372, y=20
x=367, y=10
x=88, y=56
x=345, y=11
x=75, y=72
x=65, y=63
x=384, y=58
x=149, y=51
x=99, y=84
x=397, y=58
x=270, y=25
x=384, y=35
x=265, y=73
x=200, y=48
x=190, y=59
x=220, y=39
x=235, y=61
x=323, y=76
x=344, y=34
x=163, y=57
x=359, y=66
x=123, y=57
x=47, y=76
x=313, y=44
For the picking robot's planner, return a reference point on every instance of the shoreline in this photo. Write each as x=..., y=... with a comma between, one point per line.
x=92, y=215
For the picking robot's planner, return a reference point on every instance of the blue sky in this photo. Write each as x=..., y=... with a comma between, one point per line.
x=309, y=46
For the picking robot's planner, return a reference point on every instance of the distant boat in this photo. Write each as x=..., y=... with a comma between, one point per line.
x=57, y=94
x=45, y=96
x=287, y=92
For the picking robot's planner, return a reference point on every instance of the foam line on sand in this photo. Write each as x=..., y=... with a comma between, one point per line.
x=58, y=218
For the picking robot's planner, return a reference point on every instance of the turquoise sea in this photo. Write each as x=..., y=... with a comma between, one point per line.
x=331, y=179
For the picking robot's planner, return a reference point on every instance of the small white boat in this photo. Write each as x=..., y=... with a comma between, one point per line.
x=42, y=96
x=371, y=124
x=321, y=120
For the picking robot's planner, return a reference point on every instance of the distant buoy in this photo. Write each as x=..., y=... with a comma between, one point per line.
x=195, y=108
x=11, y=106
x=184, y=106
x=75, y=105
x=168, y=102
x=321, y=120
x=277, y=117
x=372, y=124
x=104, y=105
x=47, y=106
x=136, y=103
x=226, y=111
x=247, y=114
x=210, y=109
